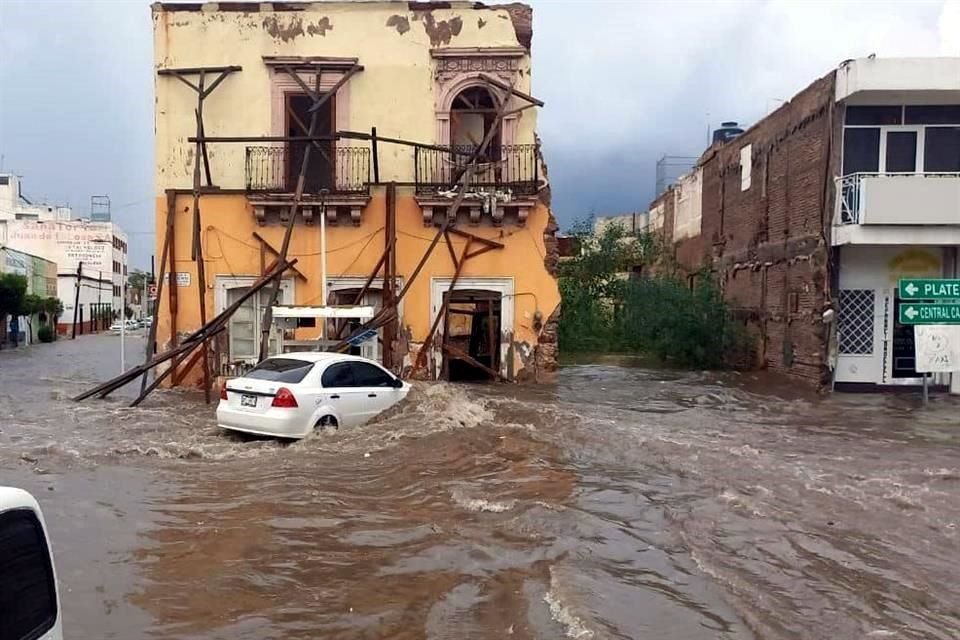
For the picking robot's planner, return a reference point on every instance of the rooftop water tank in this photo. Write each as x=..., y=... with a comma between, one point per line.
x=727, y=132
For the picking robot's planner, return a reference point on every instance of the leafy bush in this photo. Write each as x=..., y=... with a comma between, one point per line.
x=608, y=308
x=46, y=333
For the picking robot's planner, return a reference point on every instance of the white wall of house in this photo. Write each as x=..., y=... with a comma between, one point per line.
x=898, y=74
x=870, y=340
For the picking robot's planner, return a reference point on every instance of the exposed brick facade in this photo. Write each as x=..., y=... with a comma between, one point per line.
x=767, y=244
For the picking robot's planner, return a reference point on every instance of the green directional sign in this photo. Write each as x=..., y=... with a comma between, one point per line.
x=929, y=289
x=924, y=313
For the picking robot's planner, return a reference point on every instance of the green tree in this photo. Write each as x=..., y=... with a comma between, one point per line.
x=30, y=306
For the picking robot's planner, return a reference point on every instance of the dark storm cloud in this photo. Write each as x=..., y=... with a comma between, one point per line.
x=624, y=82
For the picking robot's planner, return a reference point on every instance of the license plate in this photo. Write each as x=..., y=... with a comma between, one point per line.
x=248, y=401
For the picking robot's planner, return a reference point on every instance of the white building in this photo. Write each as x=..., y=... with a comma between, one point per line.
x=897, y=210
x=91, y=257
x=15, y=206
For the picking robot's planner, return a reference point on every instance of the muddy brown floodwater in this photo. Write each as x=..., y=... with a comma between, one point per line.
x=619, y=503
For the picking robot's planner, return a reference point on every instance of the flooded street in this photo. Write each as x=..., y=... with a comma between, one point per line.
x=619, y=503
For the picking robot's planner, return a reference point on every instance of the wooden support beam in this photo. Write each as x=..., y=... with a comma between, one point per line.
x=506, y=87
x=288, y=233
x=337, y=135
x=196, y=70
x=425, y=347
x=482, y=251
x=264, y=244
x=453, y=254
x=484, y=241
x=216, y=83
x=336, y=87
x=191, y=363
x=390, y=268
x=152, y=338
x=189, y=343
x=466, y=357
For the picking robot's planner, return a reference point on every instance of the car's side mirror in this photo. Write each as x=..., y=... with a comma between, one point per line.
x=397, y=383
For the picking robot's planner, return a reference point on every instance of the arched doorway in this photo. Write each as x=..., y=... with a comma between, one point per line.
x=472, y=115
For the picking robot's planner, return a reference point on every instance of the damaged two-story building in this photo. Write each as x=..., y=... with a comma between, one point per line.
x=401, y=139
x=809, y=218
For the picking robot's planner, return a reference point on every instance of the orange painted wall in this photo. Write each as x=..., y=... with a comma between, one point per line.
x=229, y=248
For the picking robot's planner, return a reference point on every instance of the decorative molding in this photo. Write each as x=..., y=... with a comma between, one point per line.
x=451, y=68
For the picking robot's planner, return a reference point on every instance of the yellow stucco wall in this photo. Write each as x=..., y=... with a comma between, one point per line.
x=230, y=250
x=394, y=92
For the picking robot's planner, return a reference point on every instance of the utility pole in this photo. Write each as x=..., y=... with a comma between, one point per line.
x=76, y=299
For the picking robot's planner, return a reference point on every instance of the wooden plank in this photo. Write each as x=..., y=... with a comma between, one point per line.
x=195, y=70
x=503, y=85
x=466, y=357
x=152, y=339
x=441, y=315
x=288, y=233
x=214, y=325
x=264, y=243
x=485, y=241
x=336, y=87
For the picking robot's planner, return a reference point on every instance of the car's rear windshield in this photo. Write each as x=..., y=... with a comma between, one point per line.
x=280, y=370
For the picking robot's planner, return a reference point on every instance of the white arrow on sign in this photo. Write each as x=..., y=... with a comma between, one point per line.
x=911, y=289
x=911, y=313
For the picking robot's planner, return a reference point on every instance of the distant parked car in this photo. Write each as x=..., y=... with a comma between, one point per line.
x=116, y=326
x=29, y=599
x=290, y=395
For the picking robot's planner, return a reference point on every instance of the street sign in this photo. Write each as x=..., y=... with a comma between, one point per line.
x=152, y=291
x=360, y=338
x=929, y=313
x=937, y=348
x=929, y=289
x=183, y=279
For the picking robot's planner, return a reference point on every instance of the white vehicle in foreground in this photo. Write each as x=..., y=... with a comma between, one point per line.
x=29, y=601
x=290, y=395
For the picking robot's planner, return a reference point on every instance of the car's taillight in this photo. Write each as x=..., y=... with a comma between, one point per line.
x=223, y=392
x=284, y=399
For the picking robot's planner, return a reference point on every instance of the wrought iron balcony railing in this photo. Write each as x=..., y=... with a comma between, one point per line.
x=851, y=192
x=515, y=168
x=334, y=168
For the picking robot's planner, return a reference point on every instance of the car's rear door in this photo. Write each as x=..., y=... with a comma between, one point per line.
x=375, y=385
x=341, y=392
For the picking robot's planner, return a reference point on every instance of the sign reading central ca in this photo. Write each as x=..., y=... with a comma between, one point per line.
x=929, y=289
x=929, y=313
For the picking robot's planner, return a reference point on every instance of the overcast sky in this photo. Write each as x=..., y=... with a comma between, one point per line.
x=624, y=83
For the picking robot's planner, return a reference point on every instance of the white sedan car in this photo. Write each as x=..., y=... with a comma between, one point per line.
x=290, y=395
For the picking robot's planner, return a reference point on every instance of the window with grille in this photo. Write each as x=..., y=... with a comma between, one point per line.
x=855, y=324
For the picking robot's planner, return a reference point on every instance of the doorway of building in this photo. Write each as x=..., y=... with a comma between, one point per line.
x=471, y=336
x=904, y=347
x=321, y=171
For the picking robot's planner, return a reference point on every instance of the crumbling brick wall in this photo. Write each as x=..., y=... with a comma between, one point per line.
x=767, y=243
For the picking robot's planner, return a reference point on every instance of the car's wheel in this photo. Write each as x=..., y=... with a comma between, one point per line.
x=326, y=422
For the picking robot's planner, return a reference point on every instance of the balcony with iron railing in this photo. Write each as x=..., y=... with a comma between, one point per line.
x=897, y=209
x=338, y=169
x=513, y=168
x=898, y=199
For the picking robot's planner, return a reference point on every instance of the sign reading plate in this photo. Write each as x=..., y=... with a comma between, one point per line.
x=183, y=279
x=929, y=313
x=929, y=289
x=938, y=348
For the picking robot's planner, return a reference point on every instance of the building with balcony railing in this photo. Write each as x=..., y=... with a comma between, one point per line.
x=811, y=216
x=363, y=117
